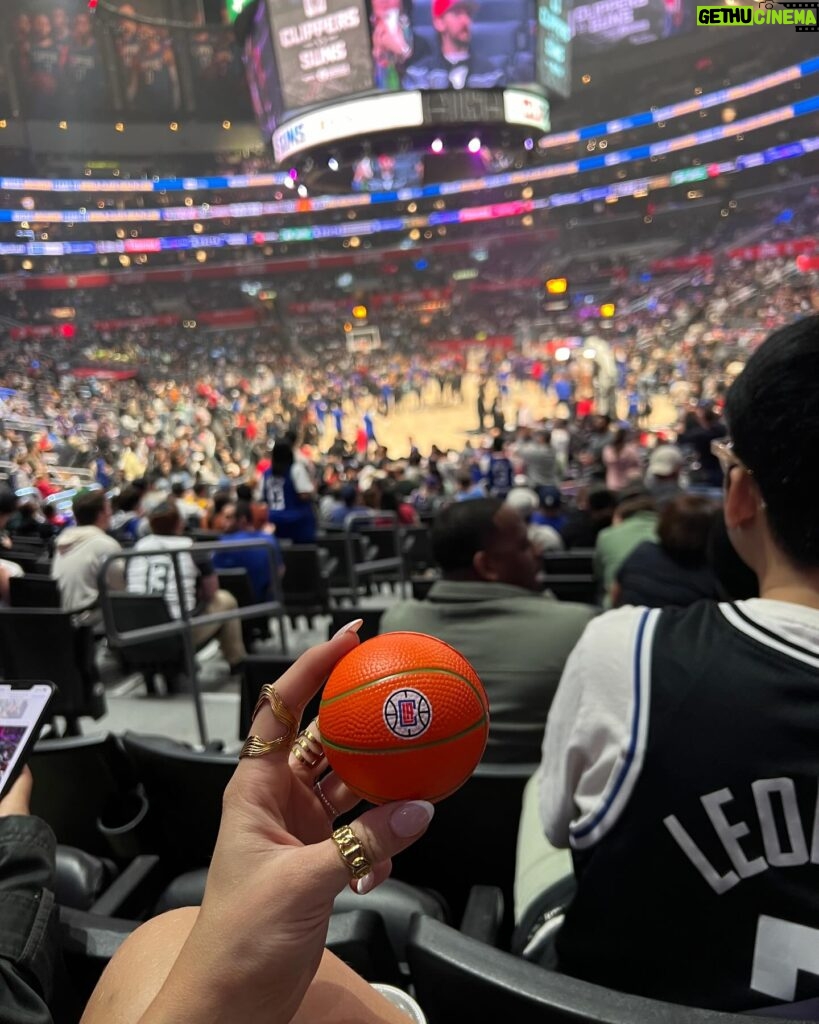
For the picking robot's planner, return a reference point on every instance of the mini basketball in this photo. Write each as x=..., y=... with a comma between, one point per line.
x=404, y=717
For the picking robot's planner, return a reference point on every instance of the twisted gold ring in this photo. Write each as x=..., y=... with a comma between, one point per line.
x=255, y=746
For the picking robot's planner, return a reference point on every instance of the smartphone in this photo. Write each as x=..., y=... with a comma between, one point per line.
x=23, y=712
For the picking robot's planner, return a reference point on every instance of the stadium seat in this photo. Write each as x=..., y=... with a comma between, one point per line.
x=66, y=659
x=163, y=656
x=341, y=616
x=237, y=582
x=572, y=588
x=359, y=938
x=33, y=592
x=80, y=782
x=456, y=978
x=417, y=550
x=184, y=792
x=305, y=585
x=460, y=824
x=577, y=562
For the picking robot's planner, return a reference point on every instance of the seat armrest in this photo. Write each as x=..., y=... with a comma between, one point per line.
x=89, y=935
x=131, y=890
x=359, y=938
x=483, y=914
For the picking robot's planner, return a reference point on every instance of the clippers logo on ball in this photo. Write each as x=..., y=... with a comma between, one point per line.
x=407, y=714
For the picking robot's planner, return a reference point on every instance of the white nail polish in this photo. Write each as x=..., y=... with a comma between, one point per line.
x=363, y=885
x=351, y=627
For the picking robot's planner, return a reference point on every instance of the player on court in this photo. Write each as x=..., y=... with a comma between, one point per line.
x=681, y=756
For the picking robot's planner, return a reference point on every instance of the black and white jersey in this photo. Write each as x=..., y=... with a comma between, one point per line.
x=689, y=798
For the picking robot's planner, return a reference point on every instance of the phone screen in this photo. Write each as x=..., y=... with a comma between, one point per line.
x=20, y=715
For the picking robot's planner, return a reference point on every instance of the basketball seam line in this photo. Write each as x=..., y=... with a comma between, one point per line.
x=404, y=750
x=400, y=675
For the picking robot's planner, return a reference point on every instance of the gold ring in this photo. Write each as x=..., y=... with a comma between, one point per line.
x=255, y=746
x=308, y=749
x=351, y=851
x=297, y=750
x=331, y=809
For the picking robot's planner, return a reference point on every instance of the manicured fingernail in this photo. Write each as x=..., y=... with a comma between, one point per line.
x=363, y=885
x=351, y=627
x=412, y=818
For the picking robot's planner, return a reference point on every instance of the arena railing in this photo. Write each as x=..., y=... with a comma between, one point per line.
x=184, y=626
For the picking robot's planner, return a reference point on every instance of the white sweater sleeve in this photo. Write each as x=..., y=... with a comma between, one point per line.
x=592, y=748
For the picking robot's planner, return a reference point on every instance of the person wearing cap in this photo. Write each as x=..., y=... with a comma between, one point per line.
x=663, y=474
x=454, y=64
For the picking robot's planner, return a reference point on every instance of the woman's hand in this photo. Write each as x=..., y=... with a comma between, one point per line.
x=260, y=934
x=18, y=798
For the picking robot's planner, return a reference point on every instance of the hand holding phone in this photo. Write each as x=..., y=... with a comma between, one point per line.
x=23, y=711
x=18, y=798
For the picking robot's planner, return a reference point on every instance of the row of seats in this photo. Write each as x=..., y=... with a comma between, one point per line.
x=123, y=796
x=442, y=935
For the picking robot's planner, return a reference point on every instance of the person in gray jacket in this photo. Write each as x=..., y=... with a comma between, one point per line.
x=489, y=607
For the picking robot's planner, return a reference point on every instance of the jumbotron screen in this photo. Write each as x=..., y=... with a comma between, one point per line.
x=329, y=51
x=601, y=25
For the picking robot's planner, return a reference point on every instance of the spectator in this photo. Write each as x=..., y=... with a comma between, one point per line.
x=288, y=491
x=453, y=64
x=663, y=475
x=488, y=606
x=155, y=574
x=526, y=503
x=389, y=501
x=260, y=563
x=593, y=512
x=468, y=489
x=699, y=437
x=540, y=463
x=500, y=474
x=349, y=502
x=680, y=757
x=621, y=457
x=80, y=551
x=215, y=519
x=188, y=508
x=675, y=571
x=635, y=520
x=125, y=520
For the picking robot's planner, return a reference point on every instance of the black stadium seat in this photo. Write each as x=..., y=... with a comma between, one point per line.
x=80, y=781
x=43, y=643
x=456, y=978
x=184, y=791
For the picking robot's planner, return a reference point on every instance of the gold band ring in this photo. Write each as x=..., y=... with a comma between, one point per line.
x=308, y=749
x=255, y=746
x=352, y=852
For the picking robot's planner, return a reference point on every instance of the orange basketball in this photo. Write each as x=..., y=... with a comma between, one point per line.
x=404, y=717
